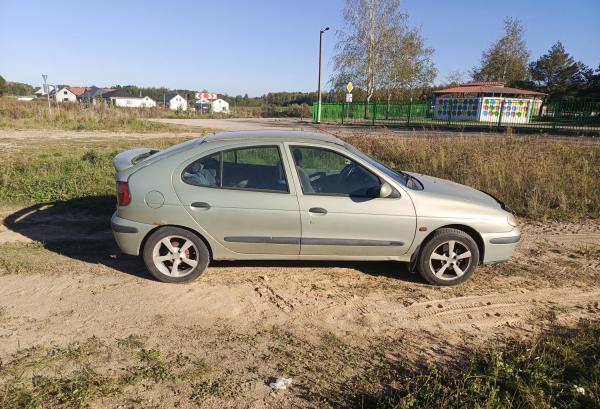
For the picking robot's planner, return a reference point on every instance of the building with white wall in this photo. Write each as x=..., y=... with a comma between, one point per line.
x=124, y=99
x=174, y=102
x=219, y=106
x=65, y=95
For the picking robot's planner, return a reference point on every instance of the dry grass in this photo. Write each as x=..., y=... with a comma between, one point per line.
x=75, y=117
x=69, y=116
x=538, y=178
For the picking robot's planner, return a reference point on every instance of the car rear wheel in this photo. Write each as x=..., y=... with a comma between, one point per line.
x=449, y=257
x=175, y=255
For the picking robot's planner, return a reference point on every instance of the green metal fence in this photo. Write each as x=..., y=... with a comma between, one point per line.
x=567, y=115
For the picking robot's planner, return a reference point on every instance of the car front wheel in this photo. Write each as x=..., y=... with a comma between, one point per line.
x=449, y=257
x=175, y=255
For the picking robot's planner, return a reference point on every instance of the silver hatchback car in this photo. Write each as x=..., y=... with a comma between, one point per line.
x=274, y=195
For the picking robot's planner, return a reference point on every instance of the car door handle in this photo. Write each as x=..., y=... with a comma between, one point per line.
x=318, y=210
x=200, y=205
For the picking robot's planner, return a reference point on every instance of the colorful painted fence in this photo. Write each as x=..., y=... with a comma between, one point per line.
x=468, y=113
x=489, y=109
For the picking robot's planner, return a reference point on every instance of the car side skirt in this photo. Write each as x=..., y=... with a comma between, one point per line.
x=309, y=241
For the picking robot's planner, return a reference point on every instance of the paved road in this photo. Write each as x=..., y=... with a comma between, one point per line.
x=296, y=124
x=244, y=124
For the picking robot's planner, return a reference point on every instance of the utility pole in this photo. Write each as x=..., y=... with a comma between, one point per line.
x=47, y=89
x=320, y=69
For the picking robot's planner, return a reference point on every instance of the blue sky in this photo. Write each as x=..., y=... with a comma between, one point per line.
x=253, y=47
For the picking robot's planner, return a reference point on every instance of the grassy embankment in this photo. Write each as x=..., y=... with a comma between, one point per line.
x=539, y=179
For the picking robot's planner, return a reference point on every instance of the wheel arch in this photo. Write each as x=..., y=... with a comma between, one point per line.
x=467, y=229
x=195, y=232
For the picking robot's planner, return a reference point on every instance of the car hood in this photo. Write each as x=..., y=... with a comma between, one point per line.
x=455, y=191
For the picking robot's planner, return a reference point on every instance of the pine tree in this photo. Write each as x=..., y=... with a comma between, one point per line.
x=557, y=74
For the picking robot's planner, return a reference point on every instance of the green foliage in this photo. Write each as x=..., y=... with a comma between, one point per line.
x=379, y=52
x=2, y=85
x=19, y=89
x=556, y=73
x=76, y=390
x=559, y=369
x=60, y=176
x=506, y=60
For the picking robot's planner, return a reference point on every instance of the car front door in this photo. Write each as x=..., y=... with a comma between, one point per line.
x=341, y=211
x=243, y=198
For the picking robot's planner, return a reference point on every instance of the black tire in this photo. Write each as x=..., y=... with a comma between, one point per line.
x=440, y=242
x=197, y=252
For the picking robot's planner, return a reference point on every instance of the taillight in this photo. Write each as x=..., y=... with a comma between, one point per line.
x=123, y=195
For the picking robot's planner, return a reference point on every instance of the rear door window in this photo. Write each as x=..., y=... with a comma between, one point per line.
x=250, y=168
x=204, y=172
x=257, y=168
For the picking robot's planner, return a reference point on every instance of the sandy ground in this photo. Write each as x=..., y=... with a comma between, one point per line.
x=75, y=287
x=64, y=287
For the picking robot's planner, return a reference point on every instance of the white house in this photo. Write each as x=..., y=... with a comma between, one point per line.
x=65, y=95
x=173, y=101
x=42, y=91
x=124, y=99
x=219, y=105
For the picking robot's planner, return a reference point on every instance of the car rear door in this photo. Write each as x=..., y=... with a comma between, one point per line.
x=243, y=198
x=341, y=212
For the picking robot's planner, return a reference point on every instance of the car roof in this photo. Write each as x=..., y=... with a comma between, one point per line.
x=273, y=135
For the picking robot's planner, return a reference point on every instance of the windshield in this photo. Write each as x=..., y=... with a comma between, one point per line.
x=401, y=177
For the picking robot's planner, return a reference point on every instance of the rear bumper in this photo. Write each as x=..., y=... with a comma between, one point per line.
x=500, y=246
x=129, y=234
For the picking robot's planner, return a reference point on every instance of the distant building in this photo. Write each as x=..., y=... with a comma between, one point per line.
x=41, y=92
x=486, y=102
x=65, y=95
x=78, y=90
x=219, y=105
x=123, y=98
x=92, y=94
x=173, y=101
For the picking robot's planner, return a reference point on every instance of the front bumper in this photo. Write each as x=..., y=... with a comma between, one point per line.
x=129, y=234
x=500, y=246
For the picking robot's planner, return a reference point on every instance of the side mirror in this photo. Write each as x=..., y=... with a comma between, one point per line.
x=385, y=190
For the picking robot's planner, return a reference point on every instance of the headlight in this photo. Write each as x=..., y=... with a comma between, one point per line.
x=512, y=220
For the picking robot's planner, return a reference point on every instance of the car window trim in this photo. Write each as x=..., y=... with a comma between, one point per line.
x=221, y=152
x=381, y=181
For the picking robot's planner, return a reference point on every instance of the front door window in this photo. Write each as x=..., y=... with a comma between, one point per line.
x=325, y=172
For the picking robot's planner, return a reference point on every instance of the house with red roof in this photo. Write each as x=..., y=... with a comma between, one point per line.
x=486, y=102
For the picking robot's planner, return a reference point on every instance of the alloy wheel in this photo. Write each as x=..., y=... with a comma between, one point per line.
x=175, y=256
x=450, y=260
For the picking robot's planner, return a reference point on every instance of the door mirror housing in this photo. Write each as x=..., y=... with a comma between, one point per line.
x=386, y=190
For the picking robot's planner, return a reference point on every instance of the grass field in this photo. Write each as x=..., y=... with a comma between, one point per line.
x=539, y=179
x=34, y=114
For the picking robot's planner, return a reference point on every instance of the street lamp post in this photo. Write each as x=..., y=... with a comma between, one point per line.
x=47, y=89
x=320, y=69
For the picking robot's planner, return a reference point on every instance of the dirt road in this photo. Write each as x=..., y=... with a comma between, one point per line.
x=250, y=321
x=244, y=124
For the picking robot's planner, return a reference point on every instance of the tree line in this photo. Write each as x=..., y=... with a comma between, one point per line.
x=387, y=59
